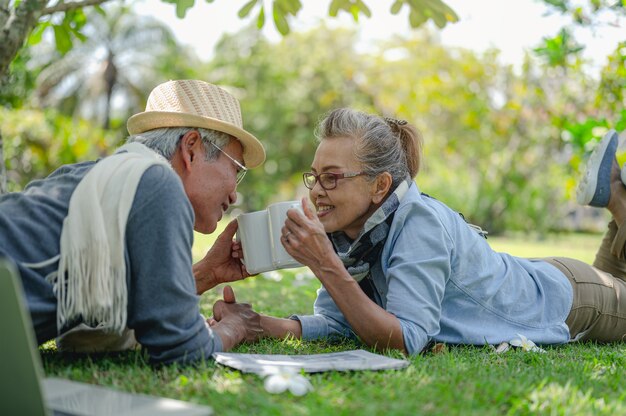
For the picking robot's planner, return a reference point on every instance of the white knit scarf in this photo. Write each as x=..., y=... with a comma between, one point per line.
x=92, y=241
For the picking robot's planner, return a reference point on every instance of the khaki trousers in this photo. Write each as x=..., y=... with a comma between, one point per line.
x=599, y=308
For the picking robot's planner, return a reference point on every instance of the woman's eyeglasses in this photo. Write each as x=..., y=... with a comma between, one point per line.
x=327, y=180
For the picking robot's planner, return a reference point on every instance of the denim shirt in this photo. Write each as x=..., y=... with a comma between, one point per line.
x=444, y=283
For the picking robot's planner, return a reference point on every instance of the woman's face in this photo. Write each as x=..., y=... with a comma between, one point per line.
x=346, y=207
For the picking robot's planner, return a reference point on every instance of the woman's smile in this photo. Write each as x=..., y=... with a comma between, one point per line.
x=323, y=210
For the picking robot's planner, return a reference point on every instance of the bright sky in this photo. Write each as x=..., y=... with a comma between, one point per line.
x=512, y=26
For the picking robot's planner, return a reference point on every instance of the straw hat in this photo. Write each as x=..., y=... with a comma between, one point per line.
x=192, y=103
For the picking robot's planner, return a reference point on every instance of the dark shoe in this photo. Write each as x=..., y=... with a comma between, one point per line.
x=595, y=186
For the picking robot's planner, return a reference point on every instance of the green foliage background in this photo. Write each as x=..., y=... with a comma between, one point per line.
x=503, y=145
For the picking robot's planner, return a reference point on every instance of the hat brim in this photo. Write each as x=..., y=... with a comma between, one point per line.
x=253, y=151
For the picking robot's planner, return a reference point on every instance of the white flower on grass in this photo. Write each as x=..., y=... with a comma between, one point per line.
x=287, y=379
x=525, y=344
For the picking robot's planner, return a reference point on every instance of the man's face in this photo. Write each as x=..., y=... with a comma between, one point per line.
x=211, y=185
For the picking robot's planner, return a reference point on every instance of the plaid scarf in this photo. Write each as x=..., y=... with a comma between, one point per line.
x=363, y=253
x=360, y=255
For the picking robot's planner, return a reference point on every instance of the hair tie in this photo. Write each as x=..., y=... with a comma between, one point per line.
x=394, y=122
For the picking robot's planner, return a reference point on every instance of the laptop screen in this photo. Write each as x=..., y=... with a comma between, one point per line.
x=21, y=370
x=24, y=390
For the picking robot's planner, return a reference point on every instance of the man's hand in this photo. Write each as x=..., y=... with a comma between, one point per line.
x=235, y=322
x=222, y=263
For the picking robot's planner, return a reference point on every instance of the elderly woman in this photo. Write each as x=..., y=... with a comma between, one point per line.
x=400, y=269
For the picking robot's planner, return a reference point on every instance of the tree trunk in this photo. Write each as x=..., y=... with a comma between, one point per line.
x=3, y=169
x=15, y=26
x=16, y=23
x=110, y=79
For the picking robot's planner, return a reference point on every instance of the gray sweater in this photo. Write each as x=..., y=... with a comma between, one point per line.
x=162, y=301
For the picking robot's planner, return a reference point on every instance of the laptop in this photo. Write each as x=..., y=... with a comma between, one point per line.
x=25, y=391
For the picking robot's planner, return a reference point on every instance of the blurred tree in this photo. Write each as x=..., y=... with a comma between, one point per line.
x=29, y=19
x=563, y=53
x=21, y=81
x=118, y=61
x=284, y=88
x=420, y=11
x=32, y=154
x=488, y=130
x=67, y=19
x=41, y=141
x=560, y=50
x=612, y=91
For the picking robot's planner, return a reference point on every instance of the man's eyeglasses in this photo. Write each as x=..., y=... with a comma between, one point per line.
x=241, y=169
x=327, y=180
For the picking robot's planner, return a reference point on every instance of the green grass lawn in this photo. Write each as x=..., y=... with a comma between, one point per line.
x=578, y=246
x=576, y=379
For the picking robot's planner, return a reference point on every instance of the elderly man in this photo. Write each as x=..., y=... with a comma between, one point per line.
x=108, y=243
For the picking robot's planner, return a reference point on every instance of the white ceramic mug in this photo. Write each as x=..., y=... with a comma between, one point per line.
x=253, y=232
x=277, y=215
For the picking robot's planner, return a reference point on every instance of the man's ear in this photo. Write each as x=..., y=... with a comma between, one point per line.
x=189, y=147
x=381, y=187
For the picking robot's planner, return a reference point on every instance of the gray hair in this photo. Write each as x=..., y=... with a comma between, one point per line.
x=383, y=145
x=165, y=141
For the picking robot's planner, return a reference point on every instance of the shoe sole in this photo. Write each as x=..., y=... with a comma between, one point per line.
x=595, y=187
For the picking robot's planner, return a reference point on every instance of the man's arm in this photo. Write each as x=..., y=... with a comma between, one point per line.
x=162, y=301
x=235, y=322
x=255, y=327
x=222, y=263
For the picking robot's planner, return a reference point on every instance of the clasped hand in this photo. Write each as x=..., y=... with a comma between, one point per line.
x=222, y=263
x=235, y=322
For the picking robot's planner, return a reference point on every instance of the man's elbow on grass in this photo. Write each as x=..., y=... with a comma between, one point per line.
x=199, y=348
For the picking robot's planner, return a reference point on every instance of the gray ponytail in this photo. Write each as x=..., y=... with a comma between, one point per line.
x=383, y=144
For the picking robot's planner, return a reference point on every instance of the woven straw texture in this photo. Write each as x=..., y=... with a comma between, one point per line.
x=193, y=103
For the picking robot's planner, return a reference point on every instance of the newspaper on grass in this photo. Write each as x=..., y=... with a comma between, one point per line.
x=311, y=363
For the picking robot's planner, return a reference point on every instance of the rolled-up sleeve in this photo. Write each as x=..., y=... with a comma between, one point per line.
x=327, y=320
x=417, y=267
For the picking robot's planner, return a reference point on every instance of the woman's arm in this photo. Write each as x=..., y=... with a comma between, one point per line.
x=280, y=327
x=374, y=325
x=308, y=243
